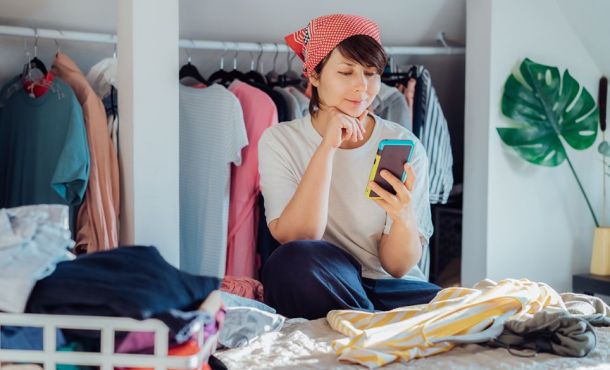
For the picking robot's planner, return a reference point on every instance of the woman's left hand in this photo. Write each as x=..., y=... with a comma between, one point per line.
x=398, y=206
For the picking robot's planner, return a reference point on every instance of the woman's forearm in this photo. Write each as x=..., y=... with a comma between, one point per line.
x=400, y=250
x=306, y=215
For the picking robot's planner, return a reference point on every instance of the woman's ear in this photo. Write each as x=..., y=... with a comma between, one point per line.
x=314, y=79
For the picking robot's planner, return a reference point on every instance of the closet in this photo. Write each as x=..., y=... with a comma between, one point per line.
x=211, y=37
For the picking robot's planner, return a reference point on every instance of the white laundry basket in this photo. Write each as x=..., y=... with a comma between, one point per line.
x=106, y=359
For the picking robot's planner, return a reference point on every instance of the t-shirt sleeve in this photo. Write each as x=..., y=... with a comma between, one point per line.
x=420, y=195
x=71, y=173
x=238, y=134
x=277, y=181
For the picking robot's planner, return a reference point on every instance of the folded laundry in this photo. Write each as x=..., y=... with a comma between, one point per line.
x=131, y=282
x=33, y=239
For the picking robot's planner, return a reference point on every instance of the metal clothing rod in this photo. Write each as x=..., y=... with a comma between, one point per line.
x=211, y=45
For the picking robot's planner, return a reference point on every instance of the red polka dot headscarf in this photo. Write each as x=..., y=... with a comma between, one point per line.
x=314, y=42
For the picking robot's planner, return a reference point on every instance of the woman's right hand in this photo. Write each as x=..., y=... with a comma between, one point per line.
x=341, y=127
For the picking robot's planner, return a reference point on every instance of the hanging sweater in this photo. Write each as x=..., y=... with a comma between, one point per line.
x=98, y=217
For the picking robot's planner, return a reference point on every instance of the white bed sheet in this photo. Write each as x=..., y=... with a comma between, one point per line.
x=303, y=344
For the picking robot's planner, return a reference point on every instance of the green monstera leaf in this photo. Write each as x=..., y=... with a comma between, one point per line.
x=545, y=106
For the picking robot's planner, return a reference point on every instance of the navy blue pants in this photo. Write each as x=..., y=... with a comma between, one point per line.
x=308, y=278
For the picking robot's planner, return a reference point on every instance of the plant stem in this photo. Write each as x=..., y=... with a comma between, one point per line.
x=604, y=191
x=583, y=191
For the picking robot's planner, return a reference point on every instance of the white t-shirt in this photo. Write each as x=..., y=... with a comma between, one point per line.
x=355, y=223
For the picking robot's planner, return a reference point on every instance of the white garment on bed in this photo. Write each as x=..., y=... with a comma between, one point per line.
x=355, y=223
x=33, y=239
x=244, y=324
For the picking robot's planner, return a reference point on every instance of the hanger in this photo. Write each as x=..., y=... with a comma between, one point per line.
x=57, y=44
x=35, y=63
x=235, y=74
x=253, y=75
x=272, y=76
x=394, y=78
x=189, y=70
x=290, y=77
x=221, y=74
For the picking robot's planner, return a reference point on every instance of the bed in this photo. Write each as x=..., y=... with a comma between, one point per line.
x=303, y=344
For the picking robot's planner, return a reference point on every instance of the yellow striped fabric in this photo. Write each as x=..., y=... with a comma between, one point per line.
x=457, y=314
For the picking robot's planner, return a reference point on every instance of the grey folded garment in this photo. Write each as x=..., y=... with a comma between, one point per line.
x=590, y=308
x=564, y=332
x=557, y=332
x=244, y=324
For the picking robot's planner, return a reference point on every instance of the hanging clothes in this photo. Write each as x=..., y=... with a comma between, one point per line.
x=409, y=92
x=259, y=113
x=44, y=155
x=265, y=243
x=212, y=135
x=390, y=104
x=112, y=113
x=430, y=125
x=103, y=80
x=97, y=225
x=293, y=109
x=278, y=99
x=302, y=99
x=103, y=76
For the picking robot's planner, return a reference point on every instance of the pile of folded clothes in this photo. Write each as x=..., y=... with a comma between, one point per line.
x=38, y=274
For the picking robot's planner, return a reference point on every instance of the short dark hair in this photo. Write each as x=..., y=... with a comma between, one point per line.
x=361, y=49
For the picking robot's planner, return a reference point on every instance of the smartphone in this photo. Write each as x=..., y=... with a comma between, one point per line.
x=392, y=156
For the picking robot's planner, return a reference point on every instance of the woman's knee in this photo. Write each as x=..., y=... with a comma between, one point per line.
x=290, y=259
x=304, y=256
x=309, y=278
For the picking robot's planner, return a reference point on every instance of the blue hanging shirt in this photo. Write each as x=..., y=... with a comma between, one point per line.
x=44, y=155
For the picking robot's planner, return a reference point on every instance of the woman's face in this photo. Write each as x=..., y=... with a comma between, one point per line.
x=346, y=85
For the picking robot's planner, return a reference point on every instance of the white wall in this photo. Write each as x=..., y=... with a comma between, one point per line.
x=149, y=117
x=522, y=220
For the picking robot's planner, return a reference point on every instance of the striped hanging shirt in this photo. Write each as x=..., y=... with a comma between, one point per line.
x=430, y=125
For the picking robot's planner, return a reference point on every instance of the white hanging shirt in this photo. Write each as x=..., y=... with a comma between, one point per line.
x=102, y=76
x=212, y=135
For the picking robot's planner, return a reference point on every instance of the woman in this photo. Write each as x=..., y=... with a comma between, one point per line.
x=341, y=250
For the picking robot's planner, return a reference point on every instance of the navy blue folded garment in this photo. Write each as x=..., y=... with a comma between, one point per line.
x=131, y=282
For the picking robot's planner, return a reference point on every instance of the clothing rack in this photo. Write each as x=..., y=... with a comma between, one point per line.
x=107, y=38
